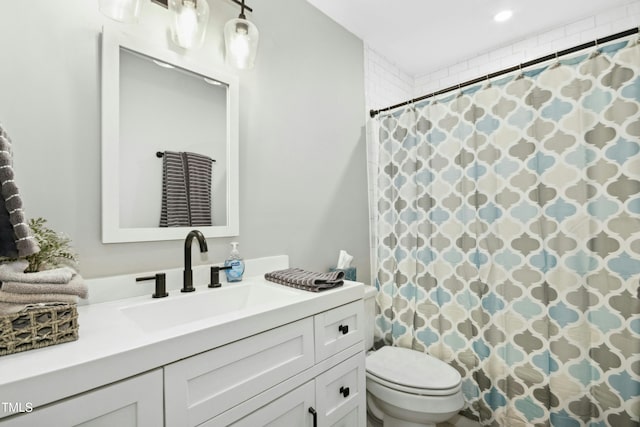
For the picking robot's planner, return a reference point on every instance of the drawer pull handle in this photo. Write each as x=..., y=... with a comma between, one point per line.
x=344, y=391
x=315, y=416
x=344, y=329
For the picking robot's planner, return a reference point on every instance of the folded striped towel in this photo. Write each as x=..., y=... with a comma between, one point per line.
x=307, y=280
x=16, y=237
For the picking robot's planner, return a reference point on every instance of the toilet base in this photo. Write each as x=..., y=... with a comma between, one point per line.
x=385, y=414
x=373, y=421
x=389, y=421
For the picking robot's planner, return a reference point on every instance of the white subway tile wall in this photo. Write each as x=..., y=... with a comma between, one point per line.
x=386, y=84
x=582, y=31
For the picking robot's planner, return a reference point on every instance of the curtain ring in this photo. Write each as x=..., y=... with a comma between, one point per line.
x=596, y=50
x=487, y=83
x=520, y=72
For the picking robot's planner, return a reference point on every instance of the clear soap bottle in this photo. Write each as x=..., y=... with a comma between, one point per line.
x=234, y=274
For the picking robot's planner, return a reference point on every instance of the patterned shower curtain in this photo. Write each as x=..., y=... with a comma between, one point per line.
x=508, y=238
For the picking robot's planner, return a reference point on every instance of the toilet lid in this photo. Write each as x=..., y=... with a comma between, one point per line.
x=412, y=368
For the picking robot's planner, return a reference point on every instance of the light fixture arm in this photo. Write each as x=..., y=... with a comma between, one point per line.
x=242, y=15
x=164, y=4
x=243, y=7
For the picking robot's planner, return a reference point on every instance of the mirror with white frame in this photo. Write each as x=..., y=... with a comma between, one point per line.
x=159, y=107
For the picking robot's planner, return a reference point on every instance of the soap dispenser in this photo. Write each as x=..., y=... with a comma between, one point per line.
x=234, y=274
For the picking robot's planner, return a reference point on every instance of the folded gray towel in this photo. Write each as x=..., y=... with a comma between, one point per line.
x=14, y=272
x=36, y=298
x=75, y=287
x=307, y=280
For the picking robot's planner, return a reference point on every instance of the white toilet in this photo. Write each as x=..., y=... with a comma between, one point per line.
x=407, y=388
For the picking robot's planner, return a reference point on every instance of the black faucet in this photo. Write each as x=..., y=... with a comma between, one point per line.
x=188, y=274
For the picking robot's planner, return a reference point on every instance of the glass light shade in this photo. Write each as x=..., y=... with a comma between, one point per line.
x=189, y=22
x=241, y=43
x=120, y=10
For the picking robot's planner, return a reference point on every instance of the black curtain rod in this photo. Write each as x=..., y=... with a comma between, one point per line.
x=558, y=54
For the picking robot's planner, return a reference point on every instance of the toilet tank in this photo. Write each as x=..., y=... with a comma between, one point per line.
x=370, y=293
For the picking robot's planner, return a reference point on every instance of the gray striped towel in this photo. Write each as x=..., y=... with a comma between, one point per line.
x=307, y=280
x=16, y=237
x=186, y=189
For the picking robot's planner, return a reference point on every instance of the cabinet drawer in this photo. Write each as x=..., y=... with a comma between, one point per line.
x=342, y=390
x=203, y=386
x=290, y=410
x=338, y=329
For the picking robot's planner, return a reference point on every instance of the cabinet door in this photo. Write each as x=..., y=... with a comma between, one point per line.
x=341, y=394
x=133, y=402
x=202, y=387
x=338, y=329
x=289, y=410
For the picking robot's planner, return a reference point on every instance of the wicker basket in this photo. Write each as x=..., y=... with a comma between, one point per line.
x=38, y=327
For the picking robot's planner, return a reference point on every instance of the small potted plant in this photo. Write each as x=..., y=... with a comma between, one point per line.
x=55, y=248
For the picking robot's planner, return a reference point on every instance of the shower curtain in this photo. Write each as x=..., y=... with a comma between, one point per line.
x=508, y=239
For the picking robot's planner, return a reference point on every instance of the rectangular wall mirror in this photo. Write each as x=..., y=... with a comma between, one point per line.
x=169, y=144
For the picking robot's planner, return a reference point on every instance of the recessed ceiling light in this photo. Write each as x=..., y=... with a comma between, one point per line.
x=502, y=16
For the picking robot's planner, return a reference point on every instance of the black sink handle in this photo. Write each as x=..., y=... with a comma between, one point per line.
x=161, y=284
x=215, y=275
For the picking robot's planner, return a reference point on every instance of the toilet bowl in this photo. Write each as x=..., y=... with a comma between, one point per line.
x=408, y=388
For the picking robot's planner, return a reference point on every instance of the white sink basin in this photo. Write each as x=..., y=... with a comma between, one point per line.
x=231, y=300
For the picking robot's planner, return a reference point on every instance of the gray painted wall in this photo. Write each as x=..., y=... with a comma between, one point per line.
x=302, y=145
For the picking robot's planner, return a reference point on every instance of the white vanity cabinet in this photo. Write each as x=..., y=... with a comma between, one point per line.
x=276, y=377
x=133, y=402
x=301, y=364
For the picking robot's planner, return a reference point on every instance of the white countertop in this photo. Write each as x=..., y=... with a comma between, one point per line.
x=113, y=347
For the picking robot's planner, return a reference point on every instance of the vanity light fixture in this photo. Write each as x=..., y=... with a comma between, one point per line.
x=241, y=41
x=120, y=10
x=189, y=22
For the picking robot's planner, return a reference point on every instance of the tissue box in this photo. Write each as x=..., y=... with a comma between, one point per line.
x=349, y=273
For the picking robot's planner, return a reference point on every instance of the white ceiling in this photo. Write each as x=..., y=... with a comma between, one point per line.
x=421, y=36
